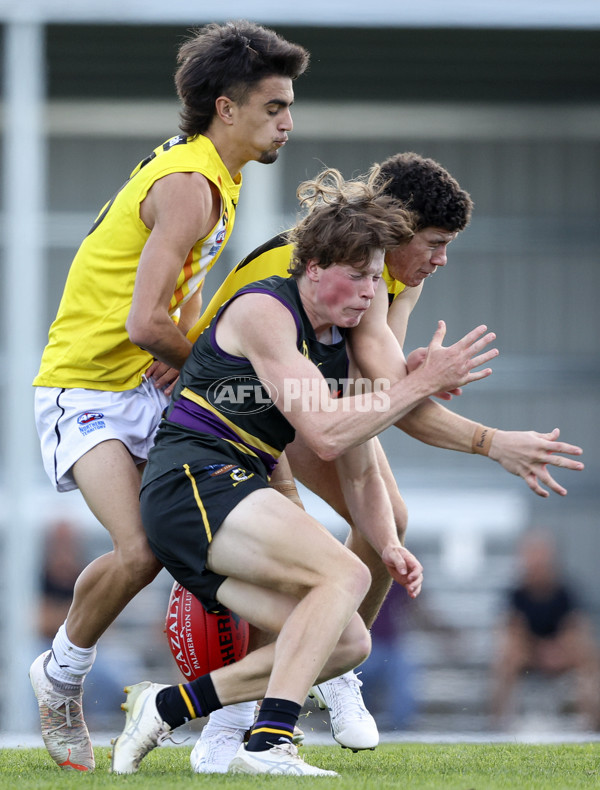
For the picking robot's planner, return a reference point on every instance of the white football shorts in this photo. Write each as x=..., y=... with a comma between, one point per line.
x=72, y=421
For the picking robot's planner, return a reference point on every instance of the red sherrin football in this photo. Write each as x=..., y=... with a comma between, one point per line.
x=200, y=641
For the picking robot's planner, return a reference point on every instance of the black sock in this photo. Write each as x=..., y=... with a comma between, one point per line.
x=178, y=704
x=275, y=724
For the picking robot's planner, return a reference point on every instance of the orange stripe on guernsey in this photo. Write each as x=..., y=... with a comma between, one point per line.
x=186, y=273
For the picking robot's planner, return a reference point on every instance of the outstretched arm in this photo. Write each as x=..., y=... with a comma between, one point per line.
x=259, y=328
x=527, y=454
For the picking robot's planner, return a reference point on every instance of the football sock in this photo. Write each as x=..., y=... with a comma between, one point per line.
x=239, y=716
x=69, y=664
x=178, y=704
x=275, y=724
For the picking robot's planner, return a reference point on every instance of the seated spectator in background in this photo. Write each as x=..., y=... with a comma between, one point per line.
x=546, y=630
x=62, y=562
x=63, y=559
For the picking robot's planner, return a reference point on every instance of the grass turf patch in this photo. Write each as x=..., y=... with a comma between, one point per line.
x=416, y=766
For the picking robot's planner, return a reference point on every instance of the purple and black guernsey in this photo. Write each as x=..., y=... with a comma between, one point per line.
x=220, y=405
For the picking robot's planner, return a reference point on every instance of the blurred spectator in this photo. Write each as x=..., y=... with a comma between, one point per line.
x=547, y=631
x=63, y=559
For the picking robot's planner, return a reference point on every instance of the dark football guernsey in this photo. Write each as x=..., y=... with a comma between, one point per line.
x=219, y=404
x=218, y=443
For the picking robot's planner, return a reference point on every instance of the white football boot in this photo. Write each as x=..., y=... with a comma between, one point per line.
x=352, y=725
x=222, y=736
x=215, y=749
x=282, y=759
x=144, y=728
x=64, y=731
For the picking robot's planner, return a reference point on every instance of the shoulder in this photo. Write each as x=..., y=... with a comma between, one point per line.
x=394, y=287
x=259, y=303
x=179, y=195
x=407, y=297
x=277, y=250
x=255, y=322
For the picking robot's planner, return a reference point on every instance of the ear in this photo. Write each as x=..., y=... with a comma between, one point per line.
x=224, y=109
x=313, y=270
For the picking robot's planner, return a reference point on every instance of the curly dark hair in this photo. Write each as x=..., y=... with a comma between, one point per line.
x=428, y=190
x=347, y=221
x=230, y=60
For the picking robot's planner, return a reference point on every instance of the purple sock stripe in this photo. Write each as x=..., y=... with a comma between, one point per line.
x=279, y=725
x=194, y=698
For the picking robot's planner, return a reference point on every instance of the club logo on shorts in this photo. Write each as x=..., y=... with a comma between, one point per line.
x=89, y=416
x=243, y=394
x=237, y=473
x=90, y=421
x=240, y=475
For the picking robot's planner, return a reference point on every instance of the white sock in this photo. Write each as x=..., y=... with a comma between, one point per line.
x=240, y=715
x=68, y=663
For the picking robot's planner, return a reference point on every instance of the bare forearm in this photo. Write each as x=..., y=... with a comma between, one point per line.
x=358, y=418
x=163, y=340
x=451, y=366
x=527, y=454
x=367, y=497
x=434, y=424
x=371, y=510
x=282, y=480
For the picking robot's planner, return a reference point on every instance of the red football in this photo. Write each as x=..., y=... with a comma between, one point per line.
x=200, y=641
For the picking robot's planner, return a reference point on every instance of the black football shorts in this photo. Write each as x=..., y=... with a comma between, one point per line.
x=181, y=512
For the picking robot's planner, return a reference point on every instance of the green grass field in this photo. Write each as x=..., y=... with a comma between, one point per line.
x=413, y=766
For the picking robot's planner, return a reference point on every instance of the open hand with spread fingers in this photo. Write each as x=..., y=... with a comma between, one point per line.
x=450, y=367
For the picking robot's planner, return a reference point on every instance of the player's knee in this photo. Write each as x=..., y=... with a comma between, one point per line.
x=138, y=562
x=364, y=579
x=354, y=577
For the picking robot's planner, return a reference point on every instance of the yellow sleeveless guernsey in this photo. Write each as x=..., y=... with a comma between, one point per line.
x=88, y=344
x=272, y=258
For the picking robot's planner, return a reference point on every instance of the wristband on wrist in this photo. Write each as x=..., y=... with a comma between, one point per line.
x=482, y=439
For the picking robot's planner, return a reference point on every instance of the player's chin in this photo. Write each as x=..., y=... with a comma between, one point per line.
x=355, y=318
x=268, y=157
x=348, y=322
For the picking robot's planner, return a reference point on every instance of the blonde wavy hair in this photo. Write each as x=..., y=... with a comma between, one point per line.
x=346, y=221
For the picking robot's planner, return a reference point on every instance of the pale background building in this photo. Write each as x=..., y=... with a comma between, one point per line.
x=505, y=95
